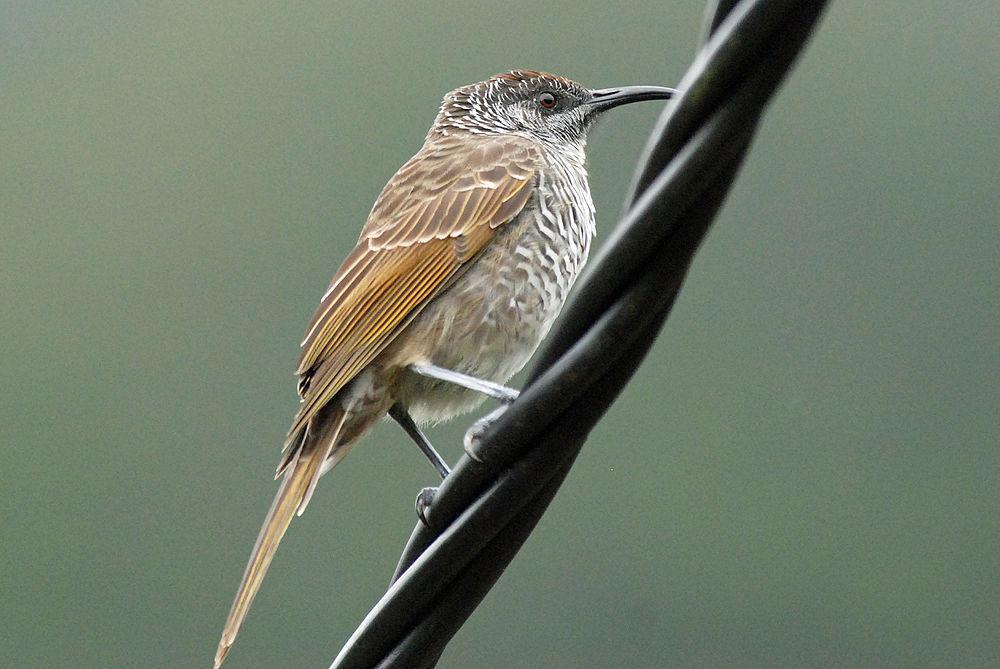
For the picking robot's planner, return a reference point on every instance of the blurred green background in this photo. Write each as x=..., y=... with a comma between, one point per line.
x=804, y=473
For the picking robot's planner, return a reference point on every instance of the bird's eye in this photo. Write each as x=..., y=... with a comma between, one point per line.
x=547, y=101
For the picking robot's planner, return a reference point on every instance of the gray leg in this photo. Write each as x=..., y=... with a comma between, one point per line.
x=400, y=415
x=488, y=388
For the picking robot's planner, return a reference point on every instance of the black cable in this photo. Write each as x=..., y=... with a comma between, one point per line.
x=483, y=512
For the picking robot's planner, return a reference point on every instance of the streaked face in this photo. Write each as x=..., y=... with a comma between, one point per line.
x=543, y=106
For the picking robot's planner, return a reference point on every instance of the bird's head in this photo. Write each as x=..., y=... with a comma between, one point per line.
x=547, y=108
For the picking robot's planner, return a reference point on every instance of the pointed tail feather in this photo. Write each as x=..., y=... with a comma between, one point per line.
x=293, y=495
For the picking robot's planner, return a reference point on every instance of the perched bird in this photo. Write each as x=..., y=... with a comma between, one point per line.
x=459, y=272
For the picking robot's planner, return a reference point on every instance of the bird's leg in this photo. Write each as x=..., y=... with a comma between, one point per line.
x=426, y=496
x=489, y=388
x=401, y=416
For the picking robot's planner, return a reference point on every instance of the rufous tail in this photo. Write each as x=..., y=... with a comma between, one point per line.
x=293, y=496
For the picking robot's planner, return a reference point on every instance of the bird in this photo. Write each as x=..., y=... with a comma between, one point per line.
x=458, y=274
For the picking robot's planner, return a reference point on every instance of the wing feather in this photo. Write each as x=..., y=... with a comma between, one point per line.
x=433, y=216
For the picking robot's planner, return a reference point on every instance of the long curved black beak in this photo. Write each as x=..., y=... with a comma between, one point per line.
x=606, y=98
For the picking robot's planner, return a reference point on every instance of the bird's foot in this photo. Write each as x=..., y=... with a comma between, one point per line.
x=423, y=503
x=472, y=441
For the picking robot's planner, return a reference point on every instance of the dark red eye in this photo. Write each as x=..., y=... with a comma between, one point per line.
x=547, y=101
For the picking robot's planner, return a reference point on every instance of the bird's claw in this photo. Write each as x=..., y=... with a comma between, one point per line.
x=423, y=503
x=473, y=436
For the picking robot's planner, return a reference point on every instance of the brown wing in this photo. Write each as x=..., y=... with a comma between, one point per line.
x=433, y=216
